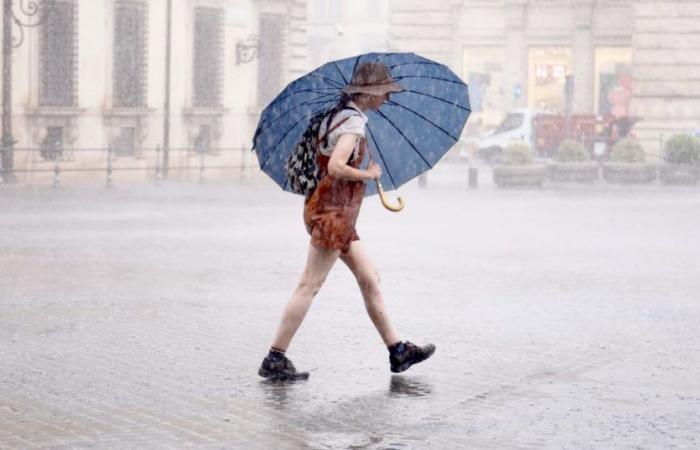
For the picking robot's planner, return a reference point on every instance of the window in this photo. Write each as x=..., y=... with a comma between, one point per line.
x=130, y=57
x=52, y=145
x=550, y=82
x=483, y=70
x=270, y=51
x=125, y=143
x=59, y=56
x=614, y=82
x=208, y=57
x=202, y=142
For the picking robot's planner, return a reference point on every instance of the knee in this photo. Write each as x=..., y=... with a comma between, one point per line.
x=310, y=286
x=369, y=282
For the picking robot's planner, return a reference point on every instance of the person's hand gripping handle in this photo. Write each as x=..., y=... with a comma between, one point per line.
x=376, y=171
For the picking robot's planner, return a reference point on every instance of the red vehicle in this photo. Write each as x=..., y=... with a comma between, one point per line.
x=597, y=133
x=545, y=131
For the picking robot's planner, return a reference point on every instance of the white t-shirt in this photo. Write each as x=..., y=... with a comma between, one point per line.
x=354, y=125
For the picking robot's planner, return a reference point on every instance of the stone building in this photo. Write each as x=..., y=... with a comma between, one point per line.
x=93, y=77
x=666, y=67
x=620, y=57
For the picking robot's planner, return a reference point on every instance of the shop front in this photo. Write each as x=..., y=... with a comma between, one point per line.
x=613, y=81
x=550, y=80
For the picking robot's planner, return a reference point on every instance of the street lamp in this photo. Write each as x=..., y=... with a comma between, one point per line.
x=16, y=16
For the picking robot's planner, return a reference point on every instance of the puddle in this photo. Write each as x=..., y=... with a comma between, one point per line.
x=403, y=386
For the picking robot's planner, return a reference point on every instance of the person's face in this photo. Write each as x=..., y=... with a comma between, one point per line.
x=377, y=101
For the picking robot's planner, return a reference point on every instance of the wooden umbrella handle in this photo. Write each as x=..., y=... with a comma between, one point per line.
x=386, y=204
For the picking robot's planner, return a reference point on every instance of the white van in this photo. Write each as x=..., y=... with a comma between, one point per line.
x=517, y=126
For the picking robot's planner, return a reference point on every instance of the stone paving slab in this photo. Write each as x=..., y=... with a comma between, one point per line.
x=136, y=318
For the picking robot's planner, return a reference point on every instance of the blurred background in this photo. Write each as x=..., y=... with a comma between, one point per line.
x=165, y=88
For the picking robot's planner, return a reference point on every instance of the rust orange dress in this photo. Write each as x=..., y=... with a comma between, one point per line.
x=330, y=213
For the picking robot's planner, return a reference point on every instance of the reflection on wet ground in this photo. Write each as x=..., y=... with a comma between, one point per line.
x=373, y=419
x=403, y=385
x=276, y=392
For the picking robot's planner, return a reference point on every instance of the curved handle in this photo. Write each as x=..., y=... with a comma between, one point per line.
x=386, y=204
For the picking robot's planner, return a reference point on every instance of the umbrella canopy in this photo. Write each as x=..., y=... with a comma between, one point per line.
x=406, y=136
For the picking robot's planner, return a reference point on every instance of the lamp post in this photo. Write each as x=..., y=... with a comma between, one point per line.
x=16, y=16
x=166, y=105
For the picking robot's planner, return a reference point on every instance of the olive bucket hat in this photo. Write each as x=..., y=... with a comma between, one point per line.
x=372, y=78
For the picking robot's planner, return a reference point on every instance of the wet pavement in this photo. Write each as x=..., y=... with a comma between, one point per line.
x=564, y=318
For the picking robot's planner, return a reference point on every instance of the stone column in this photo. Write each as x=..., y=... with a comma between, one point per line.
x=298, y=30
x=583, y=57
x=515, y=70
x=456, y=46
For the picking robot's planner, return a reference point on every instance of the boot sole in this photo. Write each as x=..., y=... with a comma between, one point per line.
x=276, y=376
x=408, y=364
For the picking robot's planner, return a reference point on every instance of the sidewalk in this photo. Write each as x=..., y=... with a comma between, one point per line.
x=137, y=318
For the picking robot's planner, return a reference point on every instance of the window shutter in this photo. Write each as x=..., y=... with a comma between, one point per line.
x=59, y=56
x=270, y=52
x=130, y=67
x=208, y=57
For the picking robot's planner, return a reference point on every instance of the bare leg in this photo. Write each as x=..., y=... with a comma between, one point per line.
x=368, y=279
x=319, y=262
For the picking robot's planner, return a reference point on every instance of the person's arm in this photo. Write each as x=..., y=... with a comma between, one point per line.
x=338, y=165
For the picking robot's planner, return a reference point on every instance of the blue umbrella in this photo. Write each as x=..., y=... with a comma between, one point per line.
x=407, y=136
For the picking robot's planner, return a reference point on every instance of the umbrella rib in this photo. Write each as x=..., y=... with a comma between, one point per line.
x=325, y=97
x=432, y=96
x=313, y=101
x=405, y=138
x=286, y=182
x=315, y=91
x=318, y=97
x=424, y=118
x=340, y=72
x=426, y=63
x=388, y=172
x=330, y=80
x=461, y=83
x=262, y=166
x=357, y=60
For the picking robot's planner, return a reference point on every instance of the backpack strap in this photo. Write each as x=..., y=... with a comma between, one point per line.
x=353, y=109
x=333, y=128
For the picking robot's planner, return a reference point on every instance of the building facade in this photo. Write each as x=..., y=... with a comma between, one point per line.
x=619, y=57
x=568, y=56
x=93, y=77
x=341, y=29
x=666, y=67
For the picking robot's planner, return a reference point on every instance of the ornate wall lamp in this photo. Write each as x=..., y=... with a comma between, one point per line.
x=247, y=50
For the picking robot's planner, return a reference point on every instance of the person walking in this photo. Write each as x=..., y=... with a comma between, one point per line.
x=330, y=214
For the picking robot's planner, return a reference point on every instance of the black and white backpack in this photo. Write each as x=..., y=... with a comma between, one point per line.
x=301, y=168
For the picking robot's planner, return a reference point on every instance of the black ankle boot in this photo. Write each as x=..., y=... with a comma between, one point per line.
x=404, y=354
x=279, y=368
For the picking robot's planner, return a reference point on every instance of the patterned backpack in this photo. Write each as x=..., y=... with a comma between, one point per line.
x=301, y=167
